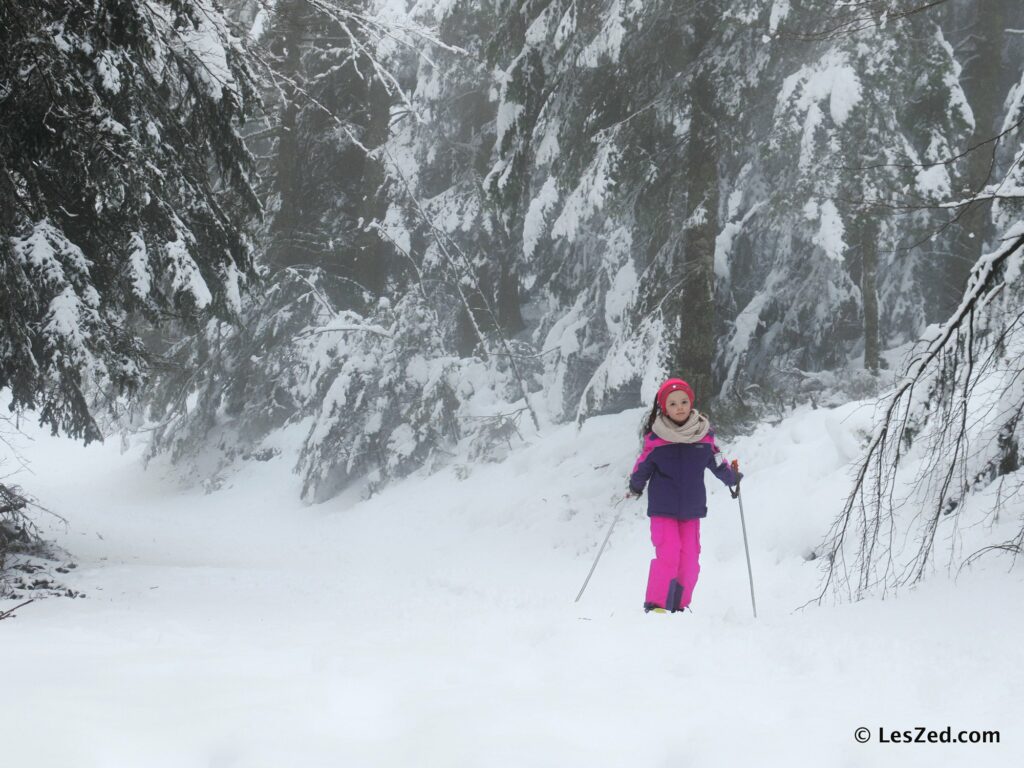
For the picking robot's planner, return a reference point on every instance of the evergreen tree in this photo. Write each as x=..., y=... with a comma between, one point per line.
x=124, y=191
x=317, y=255
x=407, y=395
x=568, y=200
x=378, y=271
x=989, y=54
x=864, y=130
x=956, y=411
x=618, y=112
x=328, y=110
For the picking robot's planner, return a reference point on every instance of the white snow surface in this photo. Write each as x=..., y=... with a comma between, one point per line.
x=830, y=228
x=138, y=266
x=185, y=272
x=435, y=625
x=589, y=196
x=206, y=43
x=536, y=215
x=780, y=10
x=832, y=78
x=933, y=183
x=830, y=231
x=606, y=45
x=110, y=75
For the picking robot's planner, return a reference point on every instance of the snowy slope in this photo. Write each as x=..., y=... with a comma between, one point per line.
x=434, y=624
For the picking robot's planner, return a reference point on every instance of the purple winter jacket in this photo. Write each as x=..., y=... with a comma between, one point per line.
x=676, y=474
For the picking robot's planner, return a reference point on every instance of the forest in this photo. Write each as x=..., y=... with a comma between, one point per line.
x=423, y=232
x=330, y=331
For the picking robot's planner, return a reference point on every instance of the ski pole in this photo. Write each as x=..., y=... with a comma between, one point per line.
x=743, y=524
x=601, y=550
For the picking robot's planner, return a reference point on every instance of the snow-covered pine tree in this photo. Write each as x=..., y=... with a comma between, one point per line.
x=983, y=37
x=952, y=429
x=446, y=370
x=369, y=323
x=550, y=62
x=330, y=108
x=436, y=160
x=550, y=175
x=124, y=191
x=324, y=111
x=863, y=125
x=620, y=185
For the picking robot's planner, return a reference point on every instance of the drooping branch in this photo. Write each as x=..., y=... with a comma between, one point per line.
x=949, y=355
x=463, y=269
x=854, y=16
x=9, y=614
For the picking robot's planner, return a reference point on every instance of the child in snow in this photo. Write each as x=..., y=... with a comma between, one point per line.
x=678, y=446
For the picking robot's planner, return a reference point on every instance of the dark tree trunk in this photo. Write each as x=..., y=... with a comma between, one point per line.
x=869, y=291
x=371, y=263
x=281, y=251
x=981, y=28
x=510, y=316
x=695, y=349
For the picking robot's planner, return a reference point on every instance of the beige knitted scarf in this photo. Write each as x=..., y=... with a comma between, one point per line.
x=690, y=431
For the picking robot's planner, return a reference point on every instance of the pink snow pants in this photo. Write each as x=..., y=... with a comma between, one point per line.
x=676, y=564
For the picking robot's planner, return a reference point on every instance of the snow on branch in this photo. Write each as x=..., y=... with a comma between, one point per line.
x=853, y=16
x=344, y=323
x=963, y=381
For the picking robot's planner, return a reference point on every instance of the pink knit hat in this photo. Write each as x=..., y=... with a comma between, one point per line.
x=670, y=386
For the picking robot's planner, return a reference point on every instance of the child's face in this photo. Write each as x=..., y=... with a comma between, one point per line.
x=677, y=406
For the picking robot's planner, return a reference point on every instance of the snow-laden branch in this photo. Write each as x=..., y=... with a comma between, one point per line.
x=365, y=34
x=870, y=503
x=852, y=17
x=344, y=324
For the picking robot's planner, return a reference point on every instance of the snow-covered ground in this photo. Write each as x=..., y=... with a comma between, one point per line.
x=434, y=624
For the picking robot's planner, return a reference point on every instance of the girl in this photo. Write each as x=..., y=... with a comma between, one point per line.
x=678, y=446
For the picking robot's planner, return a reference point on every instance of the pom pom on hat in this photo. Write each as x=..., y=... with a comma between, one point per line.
x=670, y=386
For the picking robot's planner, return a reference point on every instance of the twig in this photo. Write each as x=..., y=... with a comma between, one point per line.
x=10, y=614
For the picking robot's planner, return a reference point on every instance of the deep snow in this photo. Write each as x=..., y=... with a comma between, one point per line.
x=434, y=624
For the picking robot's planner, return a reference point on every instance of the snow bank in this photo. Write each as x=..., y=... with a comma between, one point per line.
x=434, y=624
